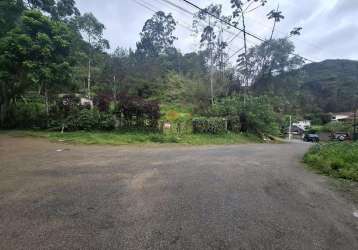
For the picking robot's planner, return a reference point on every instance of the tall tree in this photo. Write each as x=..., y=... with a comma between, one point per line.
x=157, y=35
x=58, y=9
x=211, y=30
x=93, y=30
x=10, y=12
x=241, y=8
x=272, y=57
x=276, y=15
x=34, y=54
x=116, y=71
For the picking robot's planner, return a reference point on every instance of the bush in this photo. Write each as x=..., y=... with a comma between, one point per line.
x=107, y=122
x=335, y=126
x=103, y=102
x=234, y=124
x=211, y=125
x=256, y=113
x=138, y=113
x=27, y=116
x=84, y=119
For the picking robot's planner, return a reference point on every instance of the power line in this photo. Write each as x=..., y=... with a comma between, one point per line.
x=154, y=9
x=191, y=14
x=145, y=5
x=234, y=54
x=179, y=7
x=223, y=21
x=220, y=19
x=235, y=27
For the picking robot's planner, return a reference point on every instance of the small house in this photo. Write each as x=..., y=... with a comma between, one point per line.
x=343, y=117
x=303, y=125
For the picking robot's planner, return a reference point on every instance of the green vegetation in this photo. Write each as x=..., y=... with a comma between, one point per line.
x=211, y=125
x=124, y=138
x=335, y=159
x=255, y=114
x=337, y=127
x=316, y=88
x=57, y=74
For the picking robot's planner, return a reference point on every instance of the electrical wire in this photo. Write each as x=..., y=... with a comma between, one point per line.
x=235, y=27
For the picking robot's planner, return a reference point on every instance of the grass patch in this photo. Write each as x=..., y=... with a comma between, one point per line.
x=125, y=138
x=335, y=159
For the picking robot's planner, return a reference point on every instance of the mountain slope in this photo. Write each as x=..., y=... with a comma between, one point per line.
x=328, y=86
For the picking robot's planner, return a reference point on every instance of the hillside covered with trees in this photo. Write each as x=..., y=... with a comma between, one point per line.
x=328, y=86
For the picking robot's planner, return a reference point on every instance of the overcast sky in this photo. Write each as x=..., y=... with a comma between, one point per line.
x=330, y=27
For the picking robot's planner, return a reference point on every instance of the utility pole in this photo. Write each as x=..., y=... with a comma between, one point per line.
x=355, y=136
x=246, y=77
x=290, y=129
x=221, y=51
x=114, y=87
x=211, y=66
x=89, y=79
x=89, y=68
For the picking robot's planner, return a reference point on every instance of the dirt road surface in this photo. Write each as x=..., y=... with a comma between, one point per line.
x=58, y=196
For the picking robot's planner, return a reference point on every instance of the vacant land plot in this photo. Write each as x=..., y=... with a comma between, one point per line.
x=58, y=196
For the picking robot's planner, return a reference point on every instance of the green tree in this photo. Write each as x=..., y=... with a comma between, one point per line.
x=157, y=35
x=116, y=71
x=242, y=8
x=10, y=12
x=34, y=54
x=276, y=15
x=212, y=39
x=93, y=30
x=58, y=9
x=256, y=115
x=270, y=58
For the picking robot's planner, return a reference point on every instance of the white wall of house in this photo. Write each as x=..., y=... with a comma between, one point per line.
x=302, y=124
x=86, y=101
x=338, y=118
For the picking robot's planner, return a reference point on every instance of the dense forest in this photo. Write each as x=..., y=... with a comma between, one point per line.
x=328, y=86
x=51, y=56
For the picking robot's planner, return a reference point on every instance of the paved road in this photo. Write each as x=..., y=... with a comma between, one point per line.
x=215, y=197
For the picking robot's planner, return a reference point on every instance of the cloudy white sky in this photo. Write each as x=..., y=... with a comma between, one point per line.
x=330, y=27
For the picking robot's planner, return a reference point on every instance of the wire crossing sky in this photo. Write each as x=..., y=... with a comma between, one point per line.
x=330, y=30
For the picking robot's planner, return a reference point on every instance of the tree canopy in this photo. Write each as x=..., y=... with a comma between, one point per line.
x=49, y=48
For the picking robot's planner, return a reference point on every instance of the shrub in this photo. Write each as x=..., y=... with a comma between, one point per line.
x=84, y=119
x=211, y=125
x=256, y=113
x=103, y=102
x=335, y=126
x=107, y=122
x=27, y=116
x=138, y=113
x=234, y=124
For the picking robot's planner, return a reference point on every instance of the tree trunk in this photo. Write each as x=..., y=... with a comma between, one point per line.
x=3, y=106
x=89, y=79
x=3, y=111
x=273, y=30
x=246, y=77
x=211, y=67
x=47, y=106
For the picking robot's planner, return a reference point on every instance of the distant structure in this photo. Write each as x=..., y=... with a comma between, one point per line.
x=343, y=117
x=303, y=125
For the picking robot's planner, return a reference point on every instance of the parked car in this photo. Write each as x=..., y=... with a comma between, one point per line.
x=311, y=138
x=340, y=136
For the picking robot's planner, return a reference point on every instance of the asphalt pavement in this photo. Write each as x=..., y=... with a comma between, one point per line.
x=256, y=196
